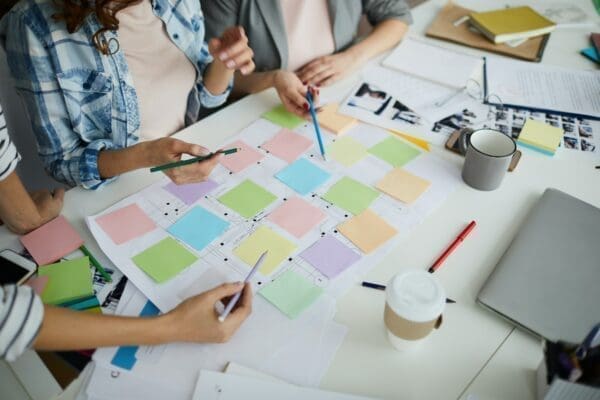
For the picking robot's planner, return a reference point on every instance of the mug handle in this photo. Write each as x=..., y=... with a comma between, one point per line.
x=438, y=323
x=463, y=140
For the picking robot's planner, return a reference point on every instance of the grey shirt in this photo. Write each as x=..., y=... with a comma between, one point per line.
x=264, y=25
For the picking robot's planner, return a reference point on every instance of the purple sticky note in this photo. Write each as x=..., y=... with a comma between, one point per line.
x=192, y=192
x=330, y=256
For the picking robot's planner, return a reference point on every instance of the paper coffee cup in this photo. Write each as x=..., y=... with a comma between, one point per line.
x=415, y=301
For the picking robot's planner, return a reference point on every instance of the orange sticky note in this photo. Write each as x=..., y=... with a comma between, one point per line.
x=367, y=231
x=52, y=241
x=403, y=185
x=334, y=122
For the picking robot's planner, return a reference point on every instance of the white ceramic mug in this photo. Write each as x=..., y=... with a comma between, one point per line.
x=415, y=301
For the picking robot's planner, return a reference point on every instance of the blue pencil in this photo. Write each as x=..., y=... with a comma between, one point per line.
x=313, y=114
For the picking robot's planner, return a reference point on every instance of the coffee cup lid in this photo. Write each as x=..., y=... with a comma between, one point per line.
x=416, y=295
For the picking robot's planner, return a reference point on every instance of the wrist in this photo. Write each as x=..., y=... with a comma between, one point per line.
x=356, y=54
x=165, y=328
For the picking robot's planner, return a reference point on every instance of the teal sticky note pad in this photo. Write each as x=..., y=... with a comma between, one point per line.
x=291, y=293
x=303, y=176
x=198, y=228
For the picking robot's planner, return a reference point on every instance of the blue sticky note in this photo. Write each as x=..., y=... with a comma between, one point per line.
x=591, y=53
x=125, y=356
x=303, y=176
x=198, y=228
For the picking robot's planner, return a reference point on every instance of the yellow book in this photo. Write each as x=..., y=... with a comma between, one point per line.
x=511, y=24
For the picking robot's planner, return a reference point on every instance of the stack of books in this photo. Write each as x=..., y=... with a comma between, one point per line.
x=511, y=25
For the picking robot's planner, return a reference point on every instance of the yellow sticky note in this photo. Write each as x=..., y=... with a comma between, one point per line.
x=265, y=239
x=424, y=144
x=367, y=231
x=540, y=136
x=403, y=186
x=334, y=122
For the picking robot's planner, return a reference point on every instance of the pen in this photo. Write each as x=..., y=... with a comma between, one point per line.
x=96, y=264
x=181, y=163
x=236, y=297
x=313, y=114
x=459, y=239
x=378, y=286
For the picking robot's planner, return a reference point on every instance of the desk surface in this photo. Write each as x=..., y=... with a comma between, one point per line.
x=474, y=352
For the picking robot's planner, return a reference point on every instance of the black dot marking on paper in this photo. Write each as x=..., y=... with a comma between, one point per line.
x=258, y=162
x=259, y=283
x=176, y=210
x=168, y=204
x=226, y=259
x=254, y=219
x=314, y=195
x=335, y=231
x=322, y=233
x=226, y=214
x=285, y=199
x=222, y=244
x=312, y=155
x=326, y=206
x=230, y=173
x=166, y=214
x=290, y=259
x=345, y=215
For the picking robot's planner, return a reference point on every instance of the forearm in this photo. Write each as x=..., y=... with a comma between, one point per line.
x=113, y=163
x=17, y=209
x=384, y=36
x=254, y=83
x=217, y=78
x=64, y=329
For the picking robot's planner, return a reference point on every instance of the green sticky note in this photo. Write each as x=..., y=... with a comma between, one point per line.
x=291, y=293
x=67, y=281
x=165, y=259
x=347, y=151
x=280, y=116
x=247, y=198
x=394, y=151
x=351, y=195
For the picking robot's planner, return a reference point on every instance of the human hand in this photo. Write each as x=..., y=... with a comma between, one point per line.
x=196, y=320
x=231, y=50
x=326, y=70
x=49, y=204
x=166, y=150
x=292, y=92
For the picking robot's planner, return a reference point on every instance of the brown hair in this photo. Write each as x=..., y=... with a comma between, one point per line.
x=73, y=12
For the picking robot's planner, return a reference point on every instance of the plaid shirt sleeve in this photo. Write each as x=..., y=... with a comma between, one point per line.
x=66, y=156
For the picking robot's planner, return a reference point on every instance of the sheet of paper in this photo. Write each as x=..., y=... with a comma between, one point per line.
x=126, y=224
x=367, y=231
x=280, y=116
x=541, y=136
x=37, y=283
x=297, y=216
x=164, y=260
x=303, y=176
x=394, y=151
x=347, y=151
x=287, y=145
x=403, y=185
x=191, y=192
x=330, y=256
x=247, y=199
x=429, y=61
x=52, y=241
x=543, y=86
x=67, y=281
x=198, y=228
x=291, y=293
x=351, y=195
x=219, y=386
x=242, y=159
x=265, y=239
x=330, y=119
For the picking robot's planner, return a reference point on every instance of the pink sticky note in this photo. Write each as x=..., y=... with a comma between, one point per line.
x=52, y=241
x=242, y=159
x=38, y=284
x=126, y=223
x=297, y=216
x=287, y=145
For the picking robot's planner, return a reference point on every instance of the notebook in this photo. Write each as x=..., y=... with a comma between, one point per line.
x=445, y=27
x=547, y=280
x=540, y=136
x=508, y=24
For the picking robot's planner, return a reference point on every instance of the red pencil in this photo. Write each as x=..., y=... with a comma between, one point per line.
x=459, y=239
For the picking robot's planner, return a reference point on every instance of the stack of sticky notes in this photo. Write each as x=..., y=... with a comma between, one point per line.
x=68, y=282
x=541, y=137
x=508, y=24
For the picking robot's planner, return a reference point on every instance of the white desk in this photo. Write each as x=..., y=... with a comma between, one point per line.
x=474, y=352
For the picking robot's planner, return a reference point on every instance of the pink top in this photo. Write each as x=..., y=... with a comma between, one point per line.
x=162, y=74
x=309, y=31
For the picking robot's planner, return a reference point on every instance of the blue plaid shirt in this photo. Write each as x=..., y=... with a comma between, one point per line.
x=81, y=101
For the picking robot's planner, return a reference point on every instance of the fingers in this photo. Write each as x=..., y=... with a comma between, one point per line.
x=308, y=73
x=214, y=45
x=181, y=147
x=319, y=78
x=243, y=308
x=224, y=290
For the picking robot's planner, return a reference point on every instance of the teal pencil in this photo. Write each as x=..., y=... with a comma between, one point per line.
x=191, y=160
x=96, y=264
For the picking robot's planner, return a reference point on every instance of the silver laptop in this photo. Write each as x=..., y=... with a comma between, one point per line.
x=548, y=281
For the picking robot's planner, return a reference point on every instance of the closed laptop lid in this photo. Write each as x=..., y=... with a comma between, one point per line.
x=548, y=281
